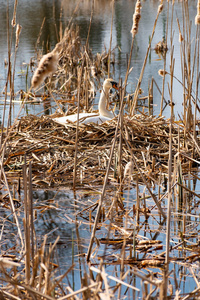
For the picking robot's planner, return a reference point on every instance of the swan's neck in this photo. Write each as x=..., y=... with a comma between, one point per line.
x=103, y=111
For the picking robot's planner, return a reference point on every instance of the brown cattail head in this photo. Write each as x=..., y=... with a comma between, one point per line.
x=47, y=66
x=138, y=7
x=18, y=31
x=136, y=18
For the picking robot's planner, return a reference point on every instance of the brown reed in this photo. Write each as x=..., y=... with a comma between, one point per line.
x=111, y=30
x=134, y=103
x=170, y=172
x=119, y=121
x=160, y=7
x=80, y=73
x=18, y=31
x=180, y=34
x=164, y=67
x=32, y=135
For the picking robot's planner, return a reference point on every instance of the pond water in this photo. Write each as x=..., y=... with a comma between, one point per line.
x=31, y=14
x=61, y=213
x=55, y=220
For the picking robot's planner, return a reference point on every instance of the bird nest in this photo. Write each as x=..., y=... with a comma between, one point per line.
x=50, y=149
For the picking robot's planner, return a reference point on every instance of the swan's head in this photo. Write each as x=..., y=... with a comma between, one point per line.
x=109, y=84
x=103, y=105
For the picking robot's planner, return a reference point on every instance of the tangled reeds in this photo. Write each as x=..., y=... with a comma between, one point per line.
x=50, y=149
x=150, y=157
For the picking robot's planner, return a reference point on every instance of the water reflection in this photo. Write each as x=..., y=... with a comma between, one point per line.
x=30, y=14
x=58, y=211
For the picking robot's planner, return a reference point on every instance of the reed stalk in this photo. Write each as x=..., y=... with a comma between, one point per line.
x=31, y=218
x=39, y=35
x=169, y=164
x=18, y=31
x=137, y=201
x=80, y=73
x=150, y=97
x=88, y=35
x=26, y=226
x=197, y=86
x=134, y=103
x=13, y=210
x=164, y=67
x=8, y=79
x=14, y=124
x=161, y=73
x=104, y=188
x=144, y=180
x=123, y=250
x=111, y=30
x=79, y=89
x=113, y=144
x=120, y=170
x=74, y=12
x=11, y=78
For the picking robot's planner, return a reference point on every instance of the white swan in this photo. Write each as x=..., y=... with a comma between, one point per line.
x=98, y=118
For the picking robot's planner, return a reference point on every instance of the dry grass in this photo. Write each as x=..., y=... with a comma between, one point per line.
x=154, y=157
x=50, y=149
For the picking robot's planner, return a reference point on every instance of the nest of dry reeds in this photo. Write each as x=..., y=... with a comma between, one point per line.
x=50, y=148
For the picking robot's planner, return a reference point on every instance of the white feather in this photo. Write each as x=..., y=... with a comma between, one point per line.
x=97, y=118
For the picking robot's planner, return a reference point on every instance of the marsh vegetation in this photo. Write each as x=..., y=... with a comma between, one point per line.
x=107, y=211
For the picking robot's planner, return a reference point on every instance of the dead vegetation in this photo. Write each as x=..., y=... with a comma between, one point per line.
x=143, y=170
x=50, y=149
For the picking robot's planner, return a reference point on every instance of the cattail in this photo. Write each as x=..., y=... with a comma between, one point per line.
x=18, y=31
x=161, y=72
x=138, y=7
x=197, y=18
x=47, y=66
x=136, y=18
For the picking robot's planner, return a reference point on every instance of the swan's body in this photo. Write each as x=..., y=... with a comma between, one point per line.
x=98, y=118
